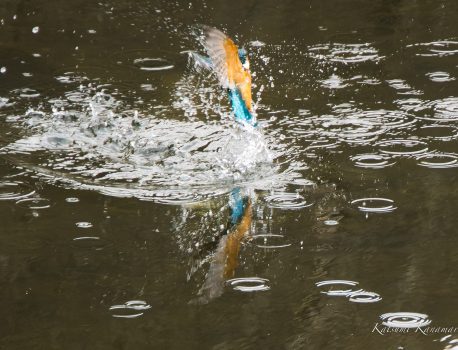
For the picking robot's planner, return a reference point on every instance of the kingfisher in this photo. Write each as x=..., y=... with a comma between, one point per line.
x=232, y=68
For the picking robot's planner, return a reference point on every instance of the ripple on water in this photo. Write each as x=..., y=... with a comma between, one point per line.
x=405, y=319
x=269, y=241
x=90, y=242
x=333, y=82
x=438, y=132
x=372, y=161
x=72, y=200
x=437, y=48
x=402, y=147
x=345, y=53
x=71, y=78
x=249, y=284
x=153, y=64
x=26, y=93
x=374, y=205
x=83, y=224
x=440, y=77
x=34, y=203
x=446, y=109
x=364, y=297
x=14, y=190
x=340, y=285
x=131, y=309
x=438, y=160
x=285, y=200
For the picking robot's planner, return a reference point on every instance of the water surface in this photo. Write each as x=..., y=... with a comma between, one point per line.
x=120, y=161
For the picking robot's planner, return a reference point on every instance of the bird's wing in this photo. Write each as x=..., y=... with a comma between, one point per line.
x=224, y=55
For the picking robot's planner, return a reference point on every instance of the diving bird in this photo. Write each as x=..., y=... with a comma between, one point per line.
x=232, y=68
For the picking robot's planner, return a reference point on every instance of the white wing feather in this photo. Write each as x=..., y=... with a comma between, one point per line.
x=214, y=45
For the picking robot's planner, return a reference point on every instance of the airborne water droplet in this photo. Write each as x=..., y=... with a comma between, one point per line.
x=35, y=30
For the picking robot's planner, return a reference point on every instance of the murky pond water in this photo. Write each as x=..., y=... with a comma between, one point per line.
x=137, y=214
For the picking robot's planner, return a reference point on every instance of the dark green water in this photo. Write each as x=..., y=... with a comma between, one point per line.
x=118, y=157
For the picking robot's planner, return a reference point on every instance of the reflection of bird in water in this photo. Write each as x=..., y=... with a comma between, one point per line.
x=232, y=68
x=224, y=261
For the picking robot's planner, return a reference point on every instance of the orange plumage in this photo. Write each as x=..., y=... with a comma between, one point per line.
x=227, y=65
x=236, y=74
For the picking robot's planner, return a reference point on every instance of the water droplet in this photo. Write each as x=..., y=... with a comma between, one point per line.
x=374, y=205
x=405, y=320
x=35, y=30
x=249, y=284
x=3, y=70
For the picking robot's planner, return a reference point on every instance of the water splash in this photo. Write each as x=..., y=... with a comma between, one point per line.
x=90, y=140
